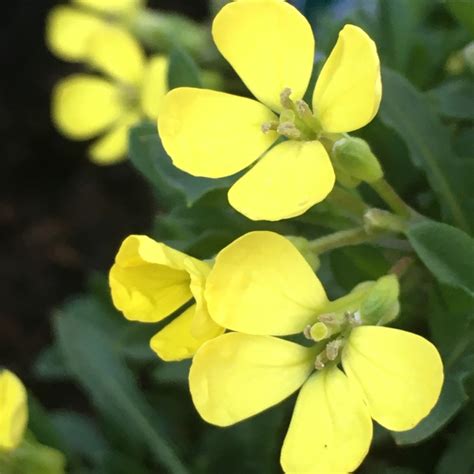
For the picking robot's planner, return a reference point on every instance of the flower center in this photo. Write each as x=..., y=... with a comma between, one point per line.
x=331, y=332
x=129, y=96
x=296, y=121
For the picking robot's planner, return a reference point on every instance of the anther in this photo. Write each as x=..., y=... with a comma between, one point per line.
x=285, y=100
x=307, y=332
x=289, y=130
x=267, y=126
x=320, y=361
x=333, y=348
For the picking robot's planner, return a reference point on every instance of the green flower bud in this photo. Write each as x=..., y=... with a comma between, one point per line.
x=354, y=157
x=304, y=248
x=381, y=304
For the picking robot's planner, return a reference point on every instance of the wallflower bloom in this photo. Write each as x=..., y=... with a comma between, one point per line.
x=261, y=286
x=85, y=106
x=13, y=410
x=271, y=46
x=150, y=281
x=68, y=28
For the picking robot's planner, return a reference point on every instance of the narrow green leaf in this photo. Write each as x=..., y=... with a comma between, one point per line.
x=182, y=70
x=455, y=99
x=446, y=251
x=95, y=362
x=150, y=158
x=407, y=111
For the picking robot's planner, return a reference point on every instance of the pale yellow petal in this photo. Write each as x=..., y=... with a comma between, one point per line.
x=83, y=106
x=113, y=146
x=261, y=284
x=349, y=89
x=68, y=30
x=148, y=280
x=331, y=429
x=115, y=52
x=400, y=374
x=13, y=410
x=213, y=134
x=111, y=6
x=202, y=323
x=269, y=44
x=292, y=177
x=176, y=340
x=235, y=376
x=155, y=86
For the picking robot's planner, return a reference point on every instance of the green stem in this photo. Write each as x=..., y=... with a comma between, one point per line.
x=390, y=196
x=348, y=201
x=355, y=236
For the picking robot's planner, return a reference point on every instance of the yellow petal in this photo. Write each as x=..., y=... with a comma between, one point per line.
x=349, y=88
x=235, y=376
x=149, y=280
x=331, y=429
x=261, y=284
x=111, y=6
x=155, y=86
x=400, y=374
x=113, y=146
x=176, y=340
x=292, y=177
x=202, y=323
x=68, y=30
x=269, y=44
x=213, y=134
x=13, y=410
x=117, y=53
x=83, y=106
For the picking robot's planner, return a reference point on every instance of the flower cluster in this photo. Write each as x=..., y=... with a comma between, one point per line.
x=127, y=88
x=271, y=47
x=260, y=287
x=255, y=318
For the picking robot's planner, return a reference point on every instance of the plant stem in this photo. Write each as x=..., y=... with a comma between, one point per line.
x=355, y=236
x=390, y=196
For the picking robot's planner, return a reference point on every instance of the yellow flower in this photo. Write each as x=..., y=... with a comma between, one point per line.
x=261, y=286
x=85, y=105
x=68, y=28
x=271, y=46
x=13, y=410
x=150, y=281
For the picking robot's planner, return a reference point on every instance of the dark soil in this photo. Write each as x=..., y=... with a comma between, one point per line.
x=61, y=217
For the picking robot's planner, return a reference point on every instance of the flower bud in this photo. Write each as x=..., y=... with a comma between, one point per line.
x=381, y=304
x=303, y=247
x=354, y=157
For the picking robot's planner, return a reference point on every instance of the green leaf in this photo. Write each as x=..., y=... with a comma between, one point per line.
x=446, y=251
x=352, y=265
x=95, y=362
x=81, y=436
x=182, y=70
x=49, y=365
x=455, y=99
x=150, y=158
x=463, y=11
x=458, y=458
x=407, y=111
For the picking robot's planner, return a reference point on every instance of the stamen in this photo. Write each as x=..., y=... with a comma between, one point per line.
x=285, y=100
x=267, y=126
x=289, y=130
x=333, y=348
